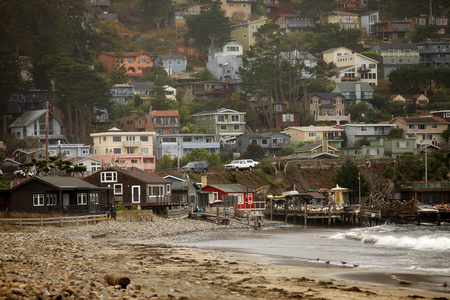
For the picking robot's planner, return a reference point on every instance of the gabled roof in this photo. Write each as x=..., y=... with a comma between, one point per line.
x=29, y=117
x=231, y=188
x=218, y=111
x=143, y=85
x=384, y=46
x=172, y=56
x=139, y=175
x=336, y=48
x=314, y=128
x=61, y=183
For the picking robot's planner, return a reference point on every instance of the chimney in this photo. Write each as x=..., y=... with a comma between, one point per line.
x=204, y=180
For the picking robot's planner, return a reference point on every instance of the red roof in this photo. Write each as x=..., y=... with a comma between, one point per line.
x=165, y=113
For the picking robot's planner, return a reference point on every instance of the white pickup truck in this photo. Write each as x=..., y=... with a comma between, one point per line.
x=241, y=164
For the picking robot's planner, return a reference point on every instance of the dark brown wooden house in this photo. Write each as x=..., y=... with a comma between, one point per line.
x=134, y=186
x=51, y=194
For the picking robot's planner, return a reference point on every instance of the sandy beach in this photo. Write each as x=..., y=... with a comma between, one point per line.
x=71, y=263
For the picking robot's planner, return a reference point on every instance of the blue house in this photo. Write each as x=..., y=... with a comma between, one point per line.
x=174, y=63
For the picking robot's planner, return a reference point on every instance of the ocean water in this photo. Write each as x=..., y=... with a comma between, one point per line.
x=421, y=250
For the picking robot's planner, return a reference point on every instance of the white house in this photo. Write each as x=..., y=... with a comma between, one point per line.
x=229, y=49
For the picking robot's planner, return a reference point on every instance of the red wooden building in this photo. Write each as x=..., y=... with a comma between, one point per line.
x=245, y=196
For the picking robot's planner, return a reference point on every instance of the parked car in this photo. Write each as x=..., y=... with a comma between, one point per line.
x=241, y=164
x=196, y=166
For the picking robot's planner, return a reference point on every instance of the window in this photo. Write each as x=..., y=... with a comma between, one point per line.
x=245, y=36
x=144, y=138
x=244, y=5
x=38, y=199
x=315, y=101
x=220, y=118
x=223, y=127
x=237, y=127
x=363, y=128
x=337, y=101
x=433, y=126
x=278, y=107
x=402, y=144
x=422, y=127
x=108, y=177
x=81, y=198
x=338, y=112
x=93, y=198
x=209, y=140
x=130, y=150
x=441, y=31
x=312, y=134
x=130, y=60
x=155, y=190
x=288, y=117
x=392, y=60
x=231, y=4
x=144, y=150
x=410, y=126
x=234, y=118
x=373, y=151
x=117, y=139
x=52, y=199
x=117, y=151
x=118, y=189
x=179, y=62
x=134, y=161
x=170, y=62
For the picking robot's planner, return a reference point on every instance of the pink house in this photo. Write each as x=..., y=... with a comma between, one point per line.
x=134, y=62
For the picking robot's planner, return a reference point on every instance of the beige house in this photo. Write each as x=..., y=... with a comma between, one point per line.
x=238, y=10
x=306, y=134
x=326, y=107
x=244, y=33
x=124, y=149
x=426, y=130
x=345, y=20
x=410, y=99
x=351, y=66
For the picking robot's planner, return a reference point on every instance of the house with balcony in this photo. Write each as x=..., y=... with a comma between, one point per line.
x=177, y=146
x=223, y=121
x=180, y=14
x=239, y=10
x=393, y=30
x=135, y=63
x=276, y=7
x=34, y=124
x=160, y=121
x=368, y=21
x=292, y=23
x=441, y=22
x=435, y=54
x=308, y=134
x=201, y=91
x=229, y=49
x=270, y=142
x=355, y=92
x=188, y=190
x=143, y=88
x=122, y=94
x=326, y=107
x=351, y=66
x=280, y=115
x=395, y=55
x=426, y=130
x=124, y=148
x=226, y=68
x=345, y=19
x=361, y=131
x=307, y=59
x=133, y=186
x=172, y=63
x=243, y=33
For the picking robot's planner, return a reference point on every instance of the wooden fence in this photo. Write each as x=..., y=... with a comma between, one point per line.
x=56, y=221
x=178, y=213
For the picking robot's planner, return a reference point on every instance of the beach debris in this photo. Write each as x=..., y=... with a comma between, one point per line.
x=327, y=262
x=318, y=259
x=343, y=262
x=113, y=279
x=355, y=265
x=445, y=284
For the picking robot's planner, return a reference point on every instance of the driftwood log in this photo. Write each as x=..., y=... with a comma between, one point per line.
x=113, y=279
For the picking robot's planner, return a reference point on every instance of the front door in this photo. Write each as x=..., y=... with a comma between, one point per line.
x=66, y=202
x=136, y=194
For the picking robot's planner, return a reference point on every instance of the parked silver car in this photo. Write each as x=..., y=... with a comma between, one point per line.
x=196, y=166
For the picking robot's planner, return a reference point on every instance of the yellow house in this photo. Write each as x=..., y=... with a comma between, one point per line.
x=244, y=33
x=313, y=134
x=345, y=20
x=124, y=149
x=426, y=130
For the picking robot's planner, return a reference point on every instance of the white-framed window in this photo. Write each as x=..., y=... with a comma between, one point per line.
x=223, y=127
x=117, y=139
x=156, y=190
x=312, y=134
x=118, y=189
x=168, y=189
x=244, y=5
x=144, y=138
x=144, y=150
x=338, y=112
x=179, y=62
x=288, y=117
x=52, y=199
x=234, y=118
x=237, y=127
x=130, y=150
x=117, y=150
x=108, y=177
x=411, y=126
x=363, y=128
x=81, y=198
x=38, y=199
x=278, y=107
x=338, y=101
x=433, y=126
x=220, y=118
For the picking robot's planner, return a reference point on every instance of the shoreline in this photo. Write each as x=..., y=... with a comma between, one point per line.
x=52, y=262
